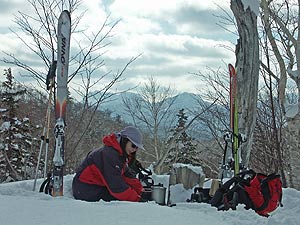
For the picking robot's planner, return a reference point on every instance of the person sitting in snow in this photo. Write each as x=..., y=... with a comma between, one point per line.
x=103, y=174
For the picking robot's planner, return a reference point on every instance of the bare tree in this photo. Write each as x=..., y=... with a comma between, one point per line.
x=281, y=23
x=87, y=50
x=152, y=109
x=214, y=123
x=216, y=118
x=247, y=67
x=276, y=134
x=39, y=35
x=268, y=151
x=89, y=110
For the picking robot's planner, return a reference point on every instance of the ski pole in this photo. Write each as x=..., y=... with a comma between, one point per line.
x=42, y=141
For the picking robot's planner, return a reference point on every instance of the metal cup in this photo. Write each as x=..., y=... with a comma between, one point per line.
x=159, y=194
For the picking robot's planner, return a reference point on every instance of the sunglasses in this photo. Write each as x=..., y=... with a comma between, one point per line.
x=134, y=146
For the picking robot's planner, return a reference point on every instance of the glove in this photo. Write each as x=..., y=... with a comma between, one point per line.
x=135, y=184
x=146, y=196
x=143, y=200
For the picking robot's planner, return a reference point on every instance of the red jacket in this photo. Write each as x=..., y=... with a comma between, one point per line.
x=102, y=168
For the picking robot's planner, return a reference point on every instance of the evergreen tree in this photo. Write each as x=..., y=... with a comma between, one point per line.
x=184, y=150
x=15, y=133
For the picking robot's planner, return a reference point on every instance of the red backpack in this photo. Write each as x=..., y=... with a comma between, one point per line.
x=262, y=193
x=265, y=192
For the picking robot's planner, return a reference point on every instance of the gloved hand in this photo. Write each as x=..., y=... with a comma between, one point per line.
x=134, y=183
x=143, y=200
x=146, y=196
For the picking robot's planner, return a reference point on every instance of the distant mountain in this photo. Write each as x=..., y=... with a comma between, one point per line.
x=115, y=104
x=187, y=101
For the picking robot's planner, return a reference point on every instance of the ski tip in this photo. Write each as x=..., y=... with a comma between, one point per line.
x=231, y=68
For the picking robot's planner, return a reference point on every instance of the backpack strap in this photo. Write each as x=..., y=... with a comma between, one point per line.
x=271, y=177
x=266, y=191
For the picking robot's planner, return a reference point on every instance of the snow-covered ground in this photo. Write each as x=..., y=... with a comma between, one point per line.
x=19, y=205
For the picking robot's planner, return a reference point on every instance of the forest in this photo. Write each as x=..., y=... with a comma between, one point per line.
x=268, y=100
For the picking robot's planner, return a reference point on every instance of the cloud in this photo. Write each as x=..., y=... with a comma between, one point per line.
x=8, y=10
x=174, y=37
x=163, y=52
x=142, y=8
x=7, y=6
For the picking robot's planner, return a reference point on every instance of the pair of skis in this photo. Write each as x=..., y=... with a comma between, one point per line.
x=233, y=137
x=54, y=181
x=63, y=50
x=234, y=118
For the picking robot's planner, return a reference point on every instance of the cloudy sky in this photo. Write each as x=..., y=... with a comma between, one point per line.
x=174, y=37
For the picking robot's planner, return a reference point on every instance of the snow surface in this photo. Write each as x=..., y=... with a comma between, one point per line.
x=253, y=5
x=19, y=205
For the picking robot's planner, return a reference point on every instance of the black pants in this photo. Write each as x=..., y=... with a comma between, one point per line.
x=90, y=192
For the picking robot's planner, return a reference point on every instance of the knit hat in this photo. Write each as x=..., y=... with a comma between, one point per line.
x=133, y=135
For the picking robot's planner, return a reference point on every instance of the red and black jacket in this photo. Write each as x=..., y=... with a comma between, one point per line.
x=105, y=168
